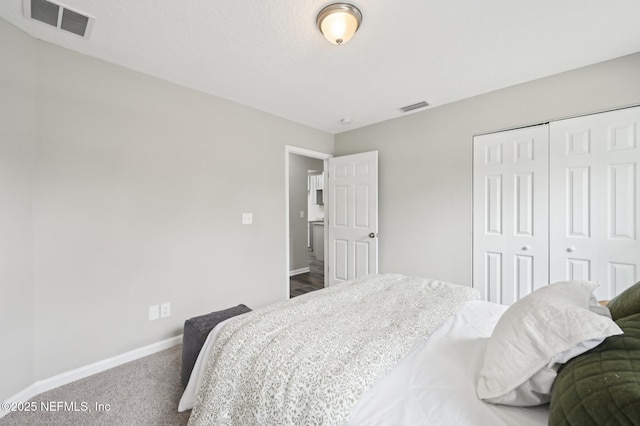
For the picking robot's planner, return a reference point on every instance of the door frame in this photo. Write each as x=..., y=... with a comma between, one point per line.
x=290, y=149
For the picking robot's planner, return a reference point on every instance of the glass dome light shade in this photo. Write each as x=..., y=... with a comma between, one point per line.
x=339, y=22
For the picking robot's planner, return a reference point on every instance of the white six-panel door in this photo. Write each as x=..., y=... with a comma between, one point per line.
x=510, y=205
x=594, y=200
x=352, y=187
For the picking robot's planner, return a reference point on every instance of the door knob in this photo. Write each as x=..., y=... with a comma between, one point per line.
x=571, y=249
x=525, y=248
x=372, y=235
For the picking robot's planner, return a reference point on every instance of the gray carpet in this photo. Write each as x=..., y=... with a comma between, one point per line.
x=142, y=392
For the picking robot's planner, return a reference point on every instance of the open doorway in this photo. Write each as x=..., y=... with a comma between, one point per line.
x=305, y=220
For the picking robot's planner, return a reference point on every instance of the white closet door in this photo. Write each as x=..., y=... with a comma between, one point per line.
x=594, y=200
x=510, y=221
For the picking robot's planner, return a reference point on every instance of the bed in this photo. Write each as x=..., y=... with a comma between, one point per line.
x=395, y=350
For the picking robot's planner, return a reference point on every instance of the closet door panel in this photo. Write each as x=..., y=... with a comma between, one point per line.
x=510, y=213
x=493, y=205
x=594, y=200
x=621, y=201
x=577, y=269
x=578, y=193
x=492, y=279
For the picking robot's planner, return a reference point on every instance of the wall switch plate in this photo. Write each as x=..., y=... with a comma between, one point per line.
x=165, y=310
x=301, y=214
x=154, y=312
x=247, y=218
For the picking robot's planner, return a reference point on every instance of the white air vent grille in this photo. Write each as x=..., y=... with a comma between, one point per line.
x=58, y=16
x=414, y=106
x=74, y=22
x=45, y=12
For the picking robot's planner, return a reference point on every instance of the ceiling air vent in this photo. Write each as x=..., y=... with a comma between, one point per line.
x=59, y=16
x=414, y=106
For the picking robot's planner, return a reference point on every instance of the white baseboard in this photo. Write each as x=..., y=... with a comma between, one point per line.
x=88, y=370
x=298, y=271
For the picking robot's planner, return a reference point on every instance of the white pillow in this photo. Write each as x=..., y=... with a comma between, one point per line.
x=535, y=336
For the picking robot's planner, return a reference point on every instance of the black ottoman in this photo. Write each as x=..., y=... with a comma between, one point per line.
x=196, y=330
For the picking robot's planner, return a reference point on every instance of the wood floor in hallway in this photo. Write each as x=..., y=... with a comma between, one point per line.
x=309, y=281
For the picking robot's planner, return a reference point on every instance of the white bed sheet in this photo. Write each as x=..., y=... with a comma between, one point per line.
x=436, y=383
x=433, y=385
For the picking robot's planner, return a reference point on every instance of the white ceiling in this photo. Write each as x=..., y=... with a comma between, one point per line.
x=268, y=54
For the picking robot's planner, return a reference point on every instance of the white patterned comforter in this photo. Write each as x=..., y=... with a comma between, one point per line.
x=308, y=360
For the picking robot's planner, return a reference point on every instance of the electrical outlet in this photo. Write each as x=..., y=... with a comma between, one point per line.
x=154, y=312
x=247, y=218
x=165, y=310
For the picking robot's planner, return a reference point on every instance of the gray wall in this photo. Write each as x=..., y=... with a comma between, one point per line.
x=138, y=190
x=426, y=161
x=17, y=154
x=299, y=166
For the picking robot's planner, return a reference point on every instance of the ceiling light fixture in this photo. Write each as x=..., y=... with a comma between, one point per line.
x=338, y=22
